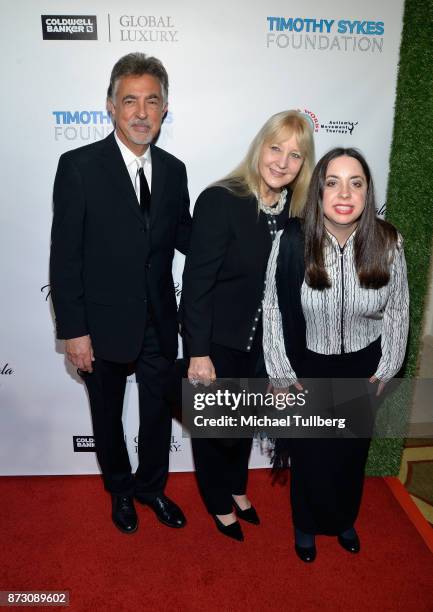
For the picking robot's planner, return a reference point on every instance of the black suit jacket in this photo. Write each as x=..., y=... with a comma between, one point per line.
x=224, y=271
x=105, y=267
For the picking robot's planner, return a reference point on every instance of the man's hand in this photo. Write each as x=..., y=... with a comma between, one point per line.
x=80, y=352
x=201, y=370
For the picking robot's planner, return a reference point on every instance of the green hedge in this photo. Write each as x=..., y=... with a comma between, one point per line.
x=410, y=191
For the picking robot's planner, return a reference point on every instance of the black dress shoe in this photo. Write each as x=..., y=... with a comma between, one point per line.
x=352, y=545
x=123, y=513
x=233, y=530
x=250, y=515
x=166, y=510
x=306, y=554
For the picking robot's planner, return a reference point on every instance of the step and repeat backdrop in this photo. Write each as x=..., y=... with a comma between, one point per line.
x=231, y=65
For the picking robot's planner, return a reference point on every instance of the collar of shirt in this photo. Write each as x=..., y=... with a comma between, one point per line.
x=333, y=242
x=131, y=162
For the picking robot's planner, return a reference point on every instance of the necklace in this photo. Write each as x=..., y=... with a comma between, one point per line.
x=277, y=208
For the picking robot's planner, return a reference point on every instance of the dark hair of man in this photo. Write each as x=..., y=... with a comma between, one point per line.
x=137, y=64
x=375, y=240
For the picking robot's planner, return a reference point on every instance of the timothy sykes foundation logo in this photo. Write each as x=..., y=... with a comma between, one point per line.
x=331, y=35
x=69, y=27
x=81, y=125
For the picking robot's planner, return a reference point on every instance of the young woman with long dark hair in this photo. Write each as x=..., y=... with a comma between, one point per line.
x=335, y=307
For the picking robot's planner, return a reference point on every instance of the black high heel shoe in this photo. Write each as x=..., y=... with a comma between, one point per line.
x=351, y=544
x=250, y=515
x=306, y=554
x=305, y=546
x=233, y=530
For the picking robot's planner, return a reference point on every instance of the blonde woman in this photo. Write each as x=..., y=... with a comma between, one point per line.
x=235, y=222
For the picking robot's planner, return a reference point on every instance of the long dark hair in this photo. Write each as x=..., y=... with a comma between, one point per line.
x=374, y=239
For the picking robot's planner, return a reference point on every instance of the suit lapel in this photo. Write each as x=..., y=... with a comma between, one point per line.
x=119, y=176
x=159, y=178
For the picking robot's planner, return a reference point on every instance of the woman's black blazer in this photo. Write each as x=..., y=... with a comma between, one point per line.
x=224, y=271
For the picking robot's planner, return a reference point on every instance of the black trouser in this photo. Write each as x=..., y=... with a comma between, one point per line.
x=221, y=465
x=106, y=389
x=327, y=474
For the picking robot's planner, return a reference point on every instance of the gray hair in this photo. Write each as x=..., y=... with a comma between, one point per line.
x=137, y=64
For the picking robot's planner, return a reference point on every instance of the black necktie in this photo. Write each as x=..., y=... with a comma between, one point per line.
x=144, y=196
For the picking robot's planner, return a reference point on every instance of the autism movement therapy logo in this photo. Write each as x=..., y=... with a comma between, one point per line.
x=311, y=34
x=334, y=126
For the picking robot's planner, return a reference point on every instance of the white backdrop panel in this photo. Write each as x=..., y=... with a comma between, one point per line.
x=230, y=68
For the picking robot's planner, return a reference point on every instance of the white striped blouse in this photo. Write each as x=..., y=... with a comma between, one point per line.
x=343, y=318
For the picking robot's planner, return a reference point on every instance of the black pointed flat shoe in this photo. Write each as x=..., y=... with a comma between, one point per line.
x=306, y=554
x=250, y=515
x=233, y=530
x=352, y=545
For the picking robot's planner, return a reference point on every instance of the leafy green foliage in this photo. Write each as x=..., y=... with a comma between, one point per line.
x=410, y=190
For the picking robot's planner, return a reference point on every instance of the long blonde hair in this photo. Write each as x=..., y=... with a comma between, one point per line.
x=245, y=179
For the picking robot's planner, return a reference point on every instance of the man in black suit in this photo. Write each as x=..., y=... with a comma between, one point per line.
x=121, y=207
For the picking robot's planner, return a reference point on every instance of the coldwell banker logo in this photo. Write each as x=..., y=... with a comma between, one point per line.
x=69, y=27
x=84, y=444
x=311, y=34
x=333, y=126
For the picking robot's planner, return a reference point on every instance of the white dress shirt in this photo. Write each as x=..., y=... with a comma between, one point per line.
x=132, y=163
x=343, y=318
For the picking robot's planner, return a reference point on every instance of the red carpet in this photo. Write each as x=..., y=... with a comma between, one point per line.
x=56, y=534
